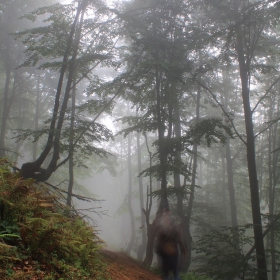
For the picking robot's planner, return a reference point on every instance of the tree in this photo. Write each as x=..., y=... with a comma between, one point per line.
x=243, y=44
x=141, y=250
x=129, y=196
x=18, y=82
x=157, y=88
x=78, y=46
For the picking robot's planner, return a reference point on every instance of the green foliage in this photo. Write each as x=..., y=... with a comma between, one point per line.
x=184, y=191
x=194, y=276
x=64, y=245
x=222, y=255
x=49, y=40
x=211, y=129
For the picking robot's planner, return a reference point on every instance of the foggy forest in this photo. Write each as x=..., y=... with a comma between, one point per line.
x=117, y=106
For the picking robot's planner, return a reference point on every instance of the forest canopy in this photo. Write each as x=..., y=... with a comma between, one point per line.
x=141, y=103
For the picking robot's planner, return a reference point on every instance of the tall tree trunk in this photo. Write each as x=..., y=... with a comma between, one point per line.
x=150, y=227
x=129, y=198
x=160, y=111
x=163, y=171
x=224, y=188
x=250, y=147
x=233, y=212
x=5, y=106
x=71, y=149
x=185, y=262
x=177, y=183
x=142, y=247
x=229, y=160
x=273, y=154
x=36, y=117
x=187, y=221
x=161, y=138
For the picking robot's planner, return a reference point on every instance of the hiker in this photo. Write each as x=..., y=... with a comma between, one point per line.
x=169, y=244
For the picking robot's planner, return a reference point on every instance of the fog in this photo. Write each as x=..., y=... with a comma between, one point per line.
x=133, y=104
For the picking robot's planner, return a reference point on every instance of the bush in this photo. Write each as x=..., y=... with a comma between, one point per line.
x=221, y=253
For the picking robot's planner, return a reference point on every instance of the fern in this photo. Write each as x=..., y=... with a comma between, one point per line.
x=34, y=221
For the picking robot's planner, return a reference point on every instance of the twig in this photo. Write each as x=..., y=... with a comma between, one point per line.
x=222, y=107
x=263, y=235
x=266, y=93
x=88, y=199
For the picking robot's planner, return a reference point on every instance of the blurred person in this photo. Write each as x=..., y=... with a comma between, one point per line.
x=169, y=243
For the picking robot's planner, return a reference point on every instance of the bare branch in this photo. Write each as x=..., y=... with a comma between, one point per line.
x=266, y=93
x=267, y=127
x=264, y=235
x=222, y=107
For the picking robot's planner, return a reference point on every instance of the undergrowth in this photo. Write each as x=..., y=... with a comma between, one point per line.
x=193, y=276
x=38, y=240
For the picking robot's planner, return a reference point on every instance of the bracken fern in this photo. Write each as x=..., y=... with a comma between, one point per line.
x=67, y=246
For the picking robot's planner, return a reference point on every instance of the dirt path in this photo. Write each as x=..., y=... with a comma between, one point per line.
x=122, y=267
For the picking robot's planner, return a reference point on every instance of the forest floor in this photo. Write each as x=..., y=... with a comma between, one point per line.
x=123, y=267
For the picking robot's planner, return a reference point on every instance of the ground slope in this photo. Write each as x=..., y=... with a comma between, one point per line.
x=122, y=267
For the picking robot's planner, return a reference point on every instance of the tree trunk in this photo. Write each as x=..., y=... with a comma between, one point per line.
x=273, y=143
x=229, y=160
x=233, y=212
x=71, y=149
x=150, y=227
x=129, y=198
x=187, y=220
x=250, y=147
x=142, y=247
x=5, y=109
x=150, y=245
x=36, y=117
x=184, y=262
x=224, y=188
x=33, y=169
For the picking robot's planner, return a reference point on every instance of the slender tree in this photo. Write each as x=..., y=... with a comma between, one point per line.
x=70, y=44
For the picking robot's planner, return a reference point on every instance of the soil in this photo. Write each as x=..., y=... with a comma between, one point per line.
x=123, y=267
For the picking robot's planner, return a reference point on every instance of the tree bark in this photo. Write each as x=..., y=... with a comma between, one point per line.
x=150, y=245
x=229, y=160
x=250, y=147
x=5, y=109
x=150, y=227
x=233, y=212
x=142, y=247
x=129, y=198
x=187, y=220
x=71, y=149
x=36, y=115
x=273, y=143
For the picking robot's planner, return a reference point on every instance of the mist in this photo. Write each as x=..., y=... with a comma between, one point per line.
x=124, y=106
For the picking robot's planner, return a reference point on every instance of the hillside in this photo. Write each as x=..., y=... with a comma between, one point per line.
x=41, y=239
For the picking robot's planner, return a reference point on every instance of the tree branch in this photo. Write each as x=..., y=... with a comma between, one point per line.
x=264, y=235
x=222, y=107
x=266, y=93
